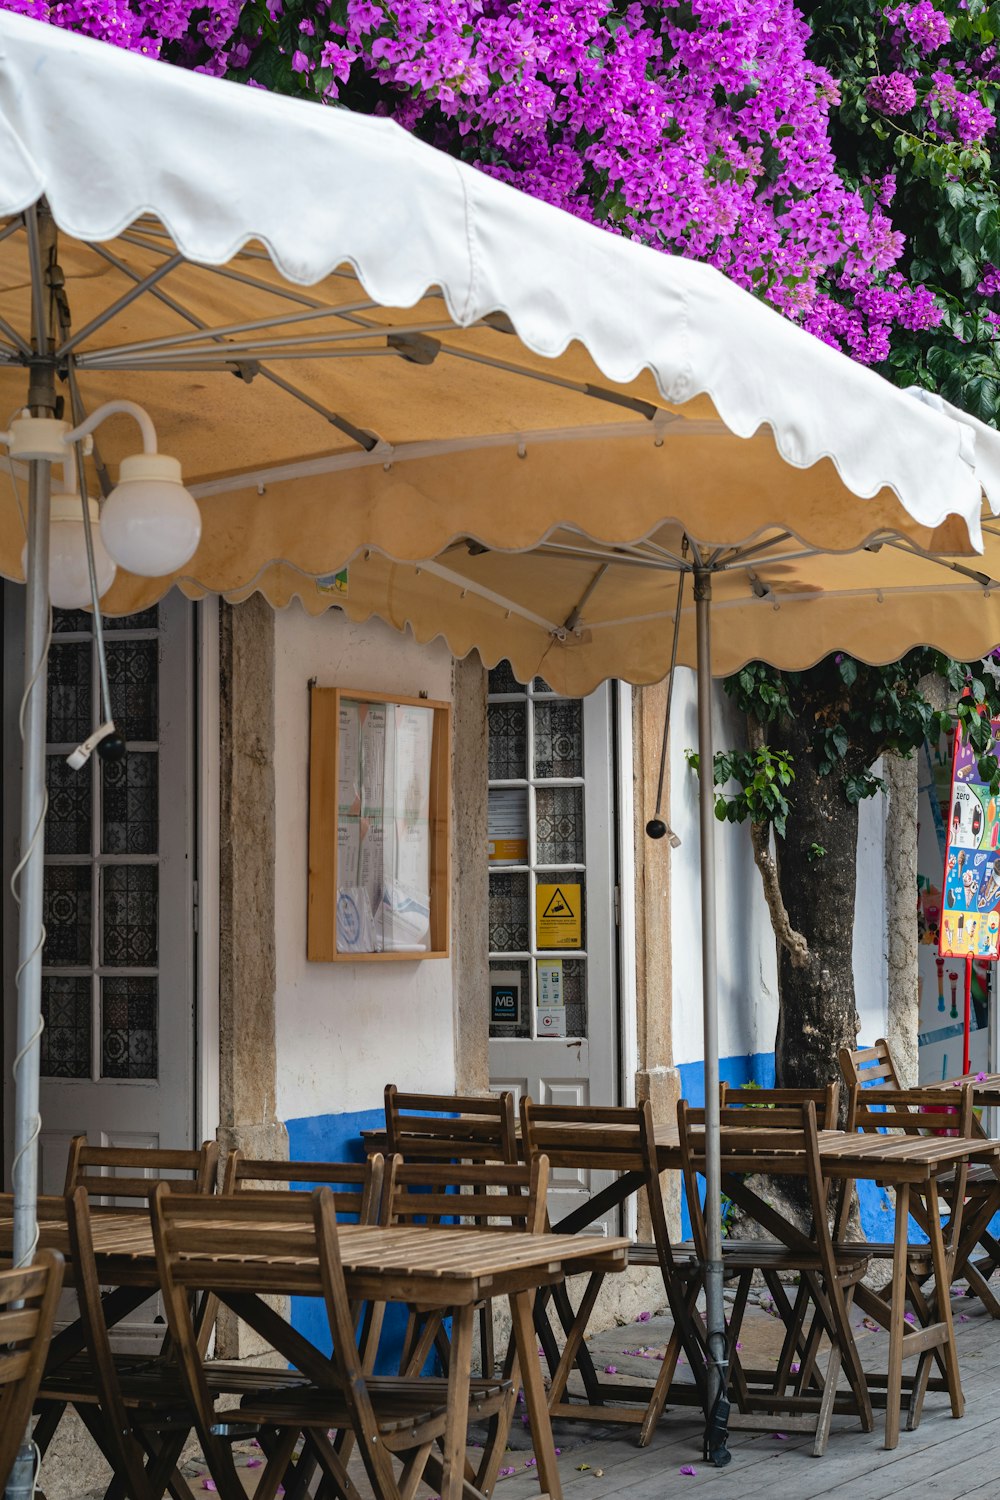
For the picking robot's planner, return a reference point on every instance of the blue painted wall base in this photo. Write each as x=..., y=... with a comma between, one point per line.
x=877, y=1216
x=338, y=1138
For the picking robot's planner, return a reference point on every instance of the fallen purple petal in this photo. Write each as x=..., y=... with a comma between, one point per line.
x=611, y=1369
x=688, y=1469
x=781, y=1437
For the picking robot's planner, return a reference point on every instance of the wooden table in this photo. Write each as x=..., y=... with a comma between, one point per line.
x=447, y=1267
x=909, y=1164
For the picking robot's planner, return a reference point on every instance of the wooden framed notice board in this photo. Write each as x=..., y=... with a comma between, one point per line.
x=379, y=827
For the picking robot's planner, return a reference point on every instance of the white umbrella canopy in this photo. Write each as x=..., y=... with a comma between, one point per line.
x=421, y=356
x=440, y=355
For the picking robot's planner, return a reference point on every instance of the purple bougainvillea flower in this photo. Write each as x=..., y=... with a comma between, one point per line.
x=644, y=1317
x=611, y=1369
x=688, y=1469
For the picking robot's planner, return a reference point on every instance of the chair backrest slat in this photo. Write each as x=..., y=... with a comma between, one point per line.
x=826, y=1099
x=28, y=1300
x=439, y=1127
x=869, y=1067
x=480, y=1194
x=357, y=1186
x=922, y=1111
x=94, y=1168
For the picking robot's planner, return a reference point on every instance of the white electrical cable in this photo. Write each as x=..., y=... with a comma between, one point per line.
x=37, y=834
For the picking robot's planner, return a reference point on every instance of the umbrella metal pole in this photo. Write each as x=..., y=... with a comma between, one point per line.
x=717, y=1408
x=27, y=1120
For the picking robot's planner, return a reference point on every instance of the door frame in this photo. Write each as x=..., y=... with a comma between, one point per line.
x=205, y=761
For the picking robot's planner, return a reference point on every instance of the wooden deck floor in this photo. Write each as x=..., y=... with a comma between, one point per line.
x=944, y=1459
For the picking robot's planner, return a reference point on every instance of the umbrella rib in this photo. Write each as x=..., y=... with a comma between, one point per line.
x=572, y=620
x=625, y=559
x=309, y=468
x=203, y=330
x=740, y=554
x=468, y=585
x=942, y=562
x=252, y=281
x=582, y=388
x=766, y=562
x=125, y=300
x=105, y=359
x=366, y=440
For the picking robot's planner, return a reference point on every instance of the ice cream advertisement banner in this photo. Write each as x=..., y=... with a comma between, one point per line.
x=970, y=916
x=942, y=955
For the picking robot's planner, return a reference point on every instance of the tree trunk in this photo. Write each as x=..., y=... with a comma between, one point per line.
x=817, y=1011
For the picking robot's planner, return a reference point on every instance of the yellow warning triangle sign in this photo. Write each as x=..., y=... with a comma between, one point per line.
x=559, y=908
x=558, y=912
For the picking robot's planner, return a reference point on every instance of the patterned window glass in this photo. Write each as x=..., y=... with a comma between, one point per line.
x=67, y=915
x=559, y=825
x=130, y=909
x=66, y=1038
x=100, y=990
x=129, y=1027
x=71, y=706
x=559, y=738
x=133, y=678
x=131, y=804
x=502, y=679
x=537, y=837
x=509, y=916
x=68, y=820
x=508, y=742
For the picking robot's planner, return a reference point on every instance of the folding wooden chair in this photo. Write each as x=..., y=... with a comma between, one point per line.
x=869, y=1069
x=478, y=1194
x=441, y=1127
x=74, y=1375
x=28, y=1301
x=925, y=1112
x=388, y=1416
x=627, y=1146
x=828, y=1272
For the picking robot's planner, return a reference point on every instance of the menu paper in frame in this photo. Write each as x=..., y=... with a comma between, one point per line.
x=379, y=826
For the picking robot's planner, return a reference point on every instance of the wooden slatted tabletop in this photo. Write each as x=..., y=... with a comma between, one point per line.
x=445, y=1266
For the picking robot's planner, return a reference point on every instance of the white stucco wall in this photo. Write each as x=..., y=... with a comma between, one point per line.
x=748, y=983
x=346, y=1030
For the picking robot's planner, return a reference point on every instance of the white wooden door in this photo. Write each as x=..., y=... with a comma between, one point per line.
x=552, y=906
x=118, y=990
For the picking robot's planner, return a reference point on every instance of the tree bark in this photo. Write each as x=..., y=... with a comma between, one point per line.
x=817, y=1012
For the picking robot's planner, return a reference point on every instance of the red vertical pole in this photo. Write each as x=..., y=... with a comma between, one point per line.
x=968, y=1012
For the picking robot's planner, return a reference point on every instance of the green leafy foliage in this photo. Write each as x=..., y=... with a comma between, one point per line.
x=853, y=714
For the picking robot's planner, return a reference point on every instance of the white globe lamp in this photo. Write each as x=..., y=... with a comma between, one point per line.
x=149, y=523
x=69, y=579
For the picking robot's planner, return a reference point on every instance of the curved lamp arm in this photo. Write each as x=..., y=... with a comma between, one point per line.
x=110, y=409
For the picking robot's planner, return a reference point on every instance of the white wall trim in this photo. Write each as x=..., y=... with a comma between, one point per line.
x=207, y=835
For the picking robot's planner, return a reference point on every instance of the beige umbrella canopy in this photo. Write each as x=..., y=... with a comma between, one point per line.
x=576, y=612
x=360, y=349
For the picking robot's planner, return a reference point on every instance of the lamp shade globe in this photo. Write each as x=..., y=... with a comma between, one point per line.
x=149, y=522
x=69, y=578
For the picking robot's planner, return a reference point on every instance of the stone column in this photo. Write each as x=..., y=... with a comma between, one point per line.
x=247, y=1052
x=470, y=877
x=657, y=1079
x=901, y=914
